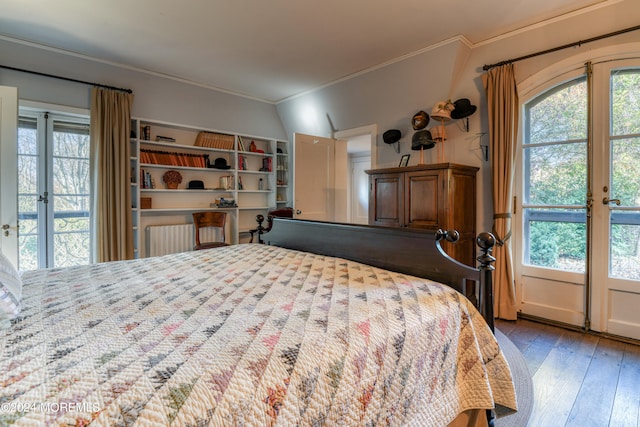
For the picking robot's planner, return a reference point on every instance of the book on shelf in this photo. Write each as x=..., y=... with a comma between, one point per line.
x=161, y=138
x=267, y=164
x=240, y=144
x=158, y=157
x=214, y=140
x=242, y=163
x=146, y=180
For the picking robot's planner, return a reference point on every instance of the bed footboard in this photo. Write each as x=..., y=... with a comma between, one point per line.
x=410, y=251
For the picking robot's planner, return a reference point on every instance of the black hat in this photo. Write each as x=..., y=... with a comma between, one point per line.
x=422, y=139
x=196, y=185
x=463, y=108
x=391, y=136
x=221, y=163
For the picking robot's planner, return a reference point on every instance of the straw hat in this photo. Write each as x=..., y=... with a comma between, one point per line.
x=442, y=111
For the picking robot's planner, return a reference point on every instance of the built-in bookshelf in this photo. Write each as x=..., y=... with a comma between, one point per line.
x=177, y=170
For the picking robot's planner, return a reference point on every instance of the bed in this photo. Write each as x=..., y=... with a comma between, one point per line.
x=297, y=331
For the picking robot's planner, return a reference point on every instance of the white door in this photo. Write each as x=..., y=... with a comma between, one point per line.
x=616, y=204
x=8, y=175
x=53, y=189
x=314, y=183
x=359, y=208
x=576, y=264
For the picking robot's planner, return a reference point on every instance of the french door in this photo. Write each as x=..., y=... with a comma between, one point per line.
x=53, y=190
x=577, y=254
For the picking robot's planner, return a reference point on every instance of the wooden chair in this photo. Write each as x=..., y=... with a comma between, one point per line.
x=285, y=212
x=209, y=219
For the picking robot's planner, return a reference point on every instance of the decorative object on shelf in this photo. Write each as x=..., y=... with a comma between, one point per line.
x=146, y=133
x=195, y=184
x=260, y=184
x=221, y=163
x=442, y=112
x=145, y=202
x=226, y=182
x=172, y=179
x=420, y=120
x=225, y=203
x=422, y=140
x=252, y=147
x=463, y=109
x=392, y=136
x=404, y=160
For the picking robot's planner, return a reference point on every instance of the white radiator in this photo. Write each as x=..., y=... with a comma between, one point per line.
x=170, y=239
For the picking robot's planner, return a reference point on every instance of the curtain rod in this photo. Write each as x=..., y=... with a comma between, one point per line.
x=66, y=78
x=555, y=49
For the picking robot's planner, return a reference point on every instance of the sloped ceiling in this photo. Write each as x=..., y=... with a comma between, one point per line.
x=267, y=50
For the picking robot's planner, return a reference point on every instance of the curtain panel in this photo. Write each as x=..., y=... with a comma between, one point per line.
x=111, y=175
x=503, y=114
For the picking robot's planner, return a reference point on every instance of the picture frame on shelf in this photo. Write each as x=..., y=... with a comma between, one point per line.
x=404, y=160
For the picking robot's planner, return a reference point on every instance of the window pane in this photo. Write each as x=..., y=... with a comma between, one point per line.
x=70, y=176
x=625, y=179
x=71, y=249
x=557, y=174
x=559, y=115
x=625, y=102
x=556, y=238
x=27, y=204
x=27, y=142
x=625, y=259
x=27, y=174
x=71, y=142
x=28, y=245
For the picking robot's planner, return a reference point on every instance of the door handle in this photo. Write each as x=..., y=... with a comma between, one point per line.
x=6, y=227
x=298, y=211
x=606, y=201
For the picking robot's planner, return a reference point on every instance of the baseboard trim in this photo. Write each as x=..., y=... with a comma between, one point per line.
x=578, y=329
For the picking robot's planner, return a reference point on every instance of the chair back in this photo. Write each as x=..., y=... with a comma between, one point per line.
x=209, y=219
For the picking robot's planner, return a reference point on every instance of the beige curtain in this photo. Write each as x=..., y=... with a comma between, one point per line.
x=502, y=102
x=111, y=175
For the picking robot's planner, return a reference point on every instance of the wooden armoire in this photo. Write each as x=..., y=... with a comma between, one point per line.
x=436, y=196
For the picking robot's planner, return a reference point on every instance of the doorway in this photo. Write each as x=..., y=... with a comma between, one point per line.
x=577, y=257
x=329, y=179
x=53, y=189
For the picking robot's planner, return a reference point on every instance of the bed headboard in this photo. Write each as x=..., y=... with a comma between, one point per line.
x=410, y=251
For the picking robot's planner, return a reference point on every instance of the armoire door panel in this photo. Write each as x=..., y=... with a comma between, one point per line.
x=386, y=206
x=422, y=200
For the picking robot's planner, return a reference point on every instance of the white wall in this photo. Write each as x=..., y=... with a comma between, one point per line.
x=387, y=96
x=390, y=96
x=156, y=98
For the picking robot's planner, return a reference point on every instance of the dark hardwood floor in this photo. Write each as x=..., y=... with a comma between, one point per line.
x=579, y=379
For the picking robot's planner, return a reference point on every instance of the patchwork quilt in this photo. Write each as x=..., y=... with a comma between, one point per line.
x=245, y=335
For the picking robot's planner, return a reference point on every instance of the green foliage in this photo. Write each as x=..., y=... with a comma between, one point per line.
x=555, y=154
